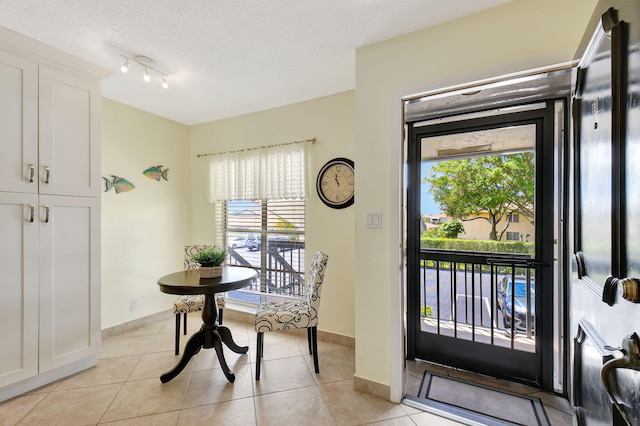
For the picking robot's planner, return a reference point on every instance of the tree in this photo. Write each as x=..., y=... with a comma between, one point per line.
x=451, y=228
x=496, y=185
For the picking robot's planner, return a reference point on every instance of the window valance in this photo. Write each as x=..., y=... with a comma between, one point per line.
x=265, y=173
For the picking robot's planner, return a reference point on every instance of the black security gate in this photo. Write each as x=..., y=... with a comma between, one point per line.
x=481, y=300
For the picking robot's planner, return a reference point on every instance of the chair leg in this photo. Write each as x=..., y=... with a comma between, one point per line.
x=309, y=340
x=314, y=333
x=185, y=323
x=177, y=333
x=259, y=348
x=220, y=312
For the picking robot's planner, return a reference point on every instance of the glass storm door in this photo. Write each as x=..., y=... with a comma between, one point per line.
x=480, y=243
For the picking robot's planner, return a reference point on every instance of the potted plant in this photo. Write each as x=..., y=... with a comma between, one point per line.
x=211, y=261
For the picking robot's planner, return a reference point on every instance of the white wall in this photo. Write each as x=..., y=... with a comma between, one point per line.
x=143, y=230
x=331, y=121
x=517, y=36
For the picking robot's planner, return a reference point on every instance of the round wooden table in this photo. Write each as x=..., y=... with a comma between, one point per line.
x=210, y=335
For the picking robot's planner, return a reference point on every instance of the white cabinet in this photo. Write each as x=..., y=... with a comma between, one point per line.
x=69, y=282
x=50, y=190
x=50, y=124
x=19, y=286
x=19, y=124
x=69, y=158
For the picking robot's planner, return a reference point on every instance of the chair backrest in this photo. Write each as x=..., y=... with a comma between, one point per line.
x=189, y=251
x=315, y=279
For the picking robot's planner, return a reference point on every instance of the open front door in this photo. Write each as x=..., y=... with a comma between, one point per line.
x=480, y=242
x=606, y=244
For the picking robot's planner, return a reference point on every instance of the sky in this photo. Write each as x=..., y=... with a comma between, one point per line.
x=427, y=205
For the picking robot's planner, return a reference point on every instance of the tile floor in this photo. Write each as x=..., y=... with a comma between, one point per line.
x=124, y=388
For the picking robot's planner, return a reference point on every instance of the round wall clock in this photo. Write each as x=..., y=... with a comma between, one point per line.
x=335, y=183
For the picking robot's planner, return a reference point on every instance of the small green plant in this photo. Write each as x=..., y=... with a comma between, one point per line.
x=426, y=311
x=210, y=257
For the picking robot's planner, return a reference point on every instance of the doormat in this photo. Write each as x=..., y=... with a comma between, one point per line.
x=478, y=403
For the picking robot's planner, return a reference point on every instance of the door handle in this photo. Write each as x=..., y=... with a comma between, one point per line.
x=631, y=360
x=517, y=262
x=32, y=213
x=628, y=288
x=47, y=174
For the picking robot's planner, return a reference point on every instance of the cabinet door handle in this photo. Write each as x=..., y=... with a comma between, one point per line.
x=32, y=172
x=46, y=214
x=32, y=215
x=47, y=174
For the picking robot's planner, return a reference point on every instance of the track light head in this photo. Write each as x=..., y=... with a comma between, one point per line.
x=125, y=66
x=164, y=82
x=146, y=75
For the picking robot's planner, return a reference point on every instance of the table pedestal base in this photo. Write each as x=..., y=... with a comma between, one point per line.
x=211, y=335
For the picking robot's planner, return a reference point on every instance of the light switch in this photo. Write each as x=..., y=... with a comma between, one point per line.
x=374, y=220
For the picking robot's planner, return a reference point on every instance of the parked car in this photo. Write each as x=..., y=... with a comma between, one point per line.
x=235, y=242
x=278, y=243
x=253, y=243
x=505, y=290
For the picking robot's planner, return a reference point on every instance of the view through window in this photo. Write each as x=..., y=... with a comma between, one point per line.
x=269, y=237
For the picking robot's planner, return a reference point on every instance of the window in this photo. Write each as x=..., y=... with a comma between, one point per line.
x=513, y=236
x=259, y=196
x=514, y=218
x=269, y=237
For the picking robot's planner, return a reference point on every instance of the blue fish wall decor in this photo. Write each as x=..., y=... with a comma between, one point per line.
x=156, y=173
x=117, y=183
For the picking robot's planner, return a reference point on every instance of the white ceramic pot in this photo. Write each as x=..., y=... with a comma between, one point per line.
x=211, y=271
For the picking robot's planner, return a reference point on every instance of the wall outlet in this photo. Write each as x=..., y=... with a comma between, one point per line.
x=133, y=304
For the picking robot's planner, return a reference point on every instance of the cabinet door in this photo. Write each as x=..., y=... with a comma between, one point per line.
x=69, y=279
x=69, y=147
x=19, y=124
x=19, y=287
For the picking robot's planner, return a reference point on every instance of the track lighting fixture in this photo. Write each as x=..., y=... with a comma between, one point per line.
x=147, y=64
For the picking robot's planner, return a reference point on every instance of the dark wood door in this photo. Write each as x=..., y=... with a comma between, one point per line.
x=606, y=244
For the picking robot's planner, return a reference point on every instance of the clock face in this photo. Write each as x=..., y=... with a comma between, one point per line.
x=335, y=184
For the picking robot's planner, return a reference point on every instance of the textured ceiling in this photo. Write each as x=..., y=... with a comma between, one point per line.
x=225, y=58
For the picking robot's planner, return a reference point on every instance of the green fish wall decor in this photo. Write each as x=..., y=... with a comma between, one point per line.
x=156, y=173
x=118, y=183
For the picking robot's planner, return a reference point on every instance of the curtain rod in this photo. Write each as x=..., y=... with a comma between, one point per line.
x=312, y=140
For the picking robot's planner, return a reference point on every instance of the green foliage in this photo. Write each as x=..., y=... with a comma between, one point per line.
x=426, y=311
x=284, y=225
x=451, y=228
x=497, y=184
x=487, y=246
x=210, y=257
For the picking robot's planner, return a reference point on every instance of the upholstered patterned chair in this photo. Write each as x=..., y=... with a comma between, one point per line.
x=295, y=314
x=192, y=303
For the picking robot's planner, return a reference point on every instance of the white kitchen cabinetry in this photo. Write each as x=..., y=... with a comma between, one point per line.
x=19, y=287
x=19, y=124
x=69, y=282
x=69, y=158
x=50, y=190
